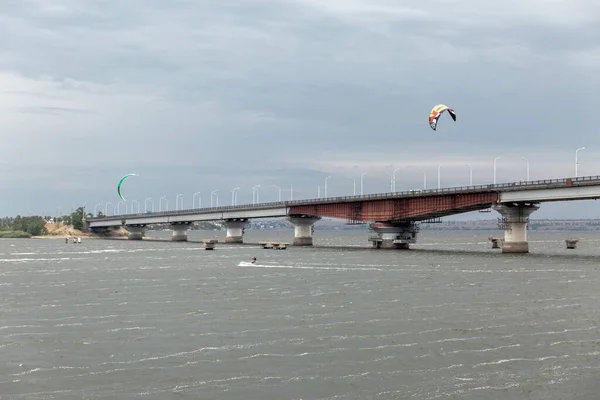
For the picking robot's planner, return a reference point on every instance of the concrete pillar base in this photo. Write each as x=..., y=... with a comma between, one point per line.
x=179, y=232
x=515, y=247
x=396, y=236
x=303, y=229
x=234, y=239
x=235, y=229
x=515, y=217
x=135, y=232
x=302, y=241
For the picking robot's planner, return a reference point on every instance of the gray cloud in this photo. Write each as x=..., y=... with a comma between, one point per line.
x=206, y=95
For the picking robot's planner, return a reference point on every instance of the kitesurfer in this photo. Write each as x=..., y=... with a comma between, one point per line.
x=253, y=260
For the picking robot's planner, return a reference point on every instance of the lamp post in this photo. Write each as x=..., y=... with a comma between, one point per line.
x=179, y=196
x=326, y=185
x=135, y=202
x=279, y=189
x=106, y=208
x=527, y=161
x=394, y=178
x=194, y=200
x=424, y=176
x=148, y=199
x=255, y=189
x=353, y=186
x=119, y=207
x=470, y=175
x=160, y=203
x=577, y=160
x=214, y=193
x=391, y=181
x=233, y=195
x=495, y=160
x=96, y=208
x=361, y=183
x=439, y=170
x=291, y=192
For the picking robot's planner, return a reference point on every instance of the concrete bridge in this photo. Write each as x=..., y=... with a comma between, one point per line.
x=394, y=217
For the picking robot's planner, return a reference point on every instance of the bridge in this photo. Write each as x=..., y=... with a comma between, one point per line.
x=394, y=217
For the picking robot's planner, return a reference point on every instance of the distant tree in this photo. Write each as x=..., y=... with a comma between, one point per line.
x=77, y=218
x=34, y=225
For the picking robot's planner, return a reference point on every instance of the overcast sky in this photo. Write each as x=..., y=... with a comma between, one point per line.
x=202, y=95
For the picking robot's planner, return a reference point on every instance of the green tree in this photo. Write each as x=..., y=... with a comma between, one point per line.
x=77, y=218
x=34, y=225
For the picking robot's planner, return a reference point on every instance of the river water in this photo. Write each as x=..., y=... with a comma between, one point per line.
x=449, y=319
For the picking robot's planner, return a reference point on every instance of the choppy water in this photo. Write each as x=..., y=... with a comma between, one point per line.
x=452, y=319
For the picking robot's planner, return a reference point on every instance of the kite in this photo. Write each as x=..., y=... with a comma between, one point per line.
x=120, y=182
x=435, y=113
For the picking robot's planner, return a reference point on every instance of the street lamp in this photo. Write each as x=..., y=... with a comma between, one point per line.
x=148, y=199
x=439, y=169
x=326, y=185
x=391, y=181
x=353, y=185
x=233, y=193
x=495, y=160
x=279, y=189
x=138, y=206
x=214, y=193
x=361, y=182
x=577, y=160
x=179, y=196
x=291, y=192
x=119, y=207
x=255, y=189
x=424, y=176
x=96, y=208
x=470, y=175
x=106, y=208
x=527, y=161
x=194, y=200
x=394, y=178
x=160, y=203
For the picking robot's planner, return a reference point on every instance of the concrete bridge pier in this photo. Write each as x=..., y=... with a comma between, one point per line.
x=179, y=231
x=393, y=235
x=235, y=229
x=515, y=217
x=136, y=232
x=303, y=229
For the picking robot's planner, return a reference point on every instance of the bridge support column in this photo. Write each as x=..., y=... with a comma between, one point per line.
x=235, y=229
x=179, y=231
x=514, y=222
x=303, y=229
x=136, y=232
x=393, y=235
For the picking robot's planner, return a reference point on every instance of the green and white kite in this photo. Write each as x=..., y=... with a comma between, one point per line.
x=120, y=182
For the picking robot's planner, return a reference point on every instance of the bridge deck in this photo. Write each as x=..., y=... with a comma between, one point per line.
x=278, y=207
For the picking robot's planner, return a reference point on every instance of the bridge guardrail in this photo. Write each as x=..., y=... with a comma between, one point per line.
x=513, y=186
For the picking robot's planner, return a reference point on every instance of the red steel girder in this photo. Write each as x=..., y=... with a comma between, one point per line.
x=416, y=208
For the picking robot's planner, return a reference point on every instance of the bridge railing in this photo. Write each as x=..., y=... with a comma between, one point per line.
x=509, y=186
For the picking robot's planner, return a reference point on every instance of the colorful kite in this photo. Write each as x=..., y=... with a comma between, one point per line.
x=435, y=113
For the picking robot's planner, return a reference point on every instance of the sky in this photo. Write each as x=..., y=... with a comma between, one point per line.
x=197, y=96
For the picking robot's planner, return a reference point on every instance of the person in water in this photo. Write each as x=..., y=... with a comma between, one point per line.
x=253, y=260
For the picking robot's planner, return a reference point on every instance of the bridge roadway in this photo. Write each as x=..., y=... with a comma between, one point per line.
x=394, y=216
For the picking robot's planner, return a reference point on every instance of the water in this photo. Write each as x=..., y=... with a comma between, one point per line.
x=451, y=319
